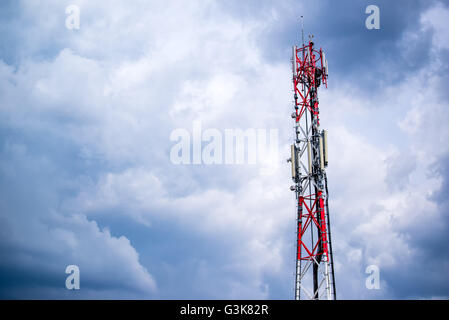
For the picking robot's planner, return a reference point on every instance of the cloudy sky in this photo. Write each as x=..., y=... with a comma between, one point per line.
x=85, y=172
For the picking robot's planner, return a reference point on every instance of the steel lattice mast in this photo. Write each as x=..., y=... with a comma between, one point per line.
x=314, y=260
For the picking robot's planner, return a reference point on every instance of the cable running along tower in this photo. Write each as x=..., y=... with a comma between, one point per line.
x=314, y=260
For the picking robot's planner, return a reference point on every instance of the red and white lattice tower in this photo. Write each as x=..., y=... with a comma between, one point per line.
x=314, y=260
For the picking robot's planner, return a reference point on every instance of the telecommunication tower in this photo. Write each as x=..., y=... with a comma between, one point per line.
x=315, y=277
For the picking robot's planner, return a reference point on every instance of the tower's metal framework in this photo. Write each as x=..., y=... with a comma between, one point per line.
x=314, y=259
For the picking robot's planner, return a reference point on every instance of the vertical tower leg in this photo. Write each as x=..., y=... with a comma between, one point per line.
x=298, y=250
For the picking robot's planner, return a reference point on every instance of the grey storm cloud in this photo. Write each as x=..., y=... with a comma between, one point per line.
x=85, y=170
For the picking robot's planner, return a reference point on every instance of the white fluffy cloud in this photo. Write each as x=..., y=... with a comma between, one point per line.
x=41, y=241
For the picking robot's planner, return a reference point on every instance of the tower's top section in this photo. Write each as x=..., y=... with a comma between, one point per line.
x=307, y=59
x=310, y=69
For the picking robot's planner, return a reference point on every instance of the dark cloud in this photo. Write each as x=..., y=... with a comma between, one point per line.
x=399, y=169
x=367, y=59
